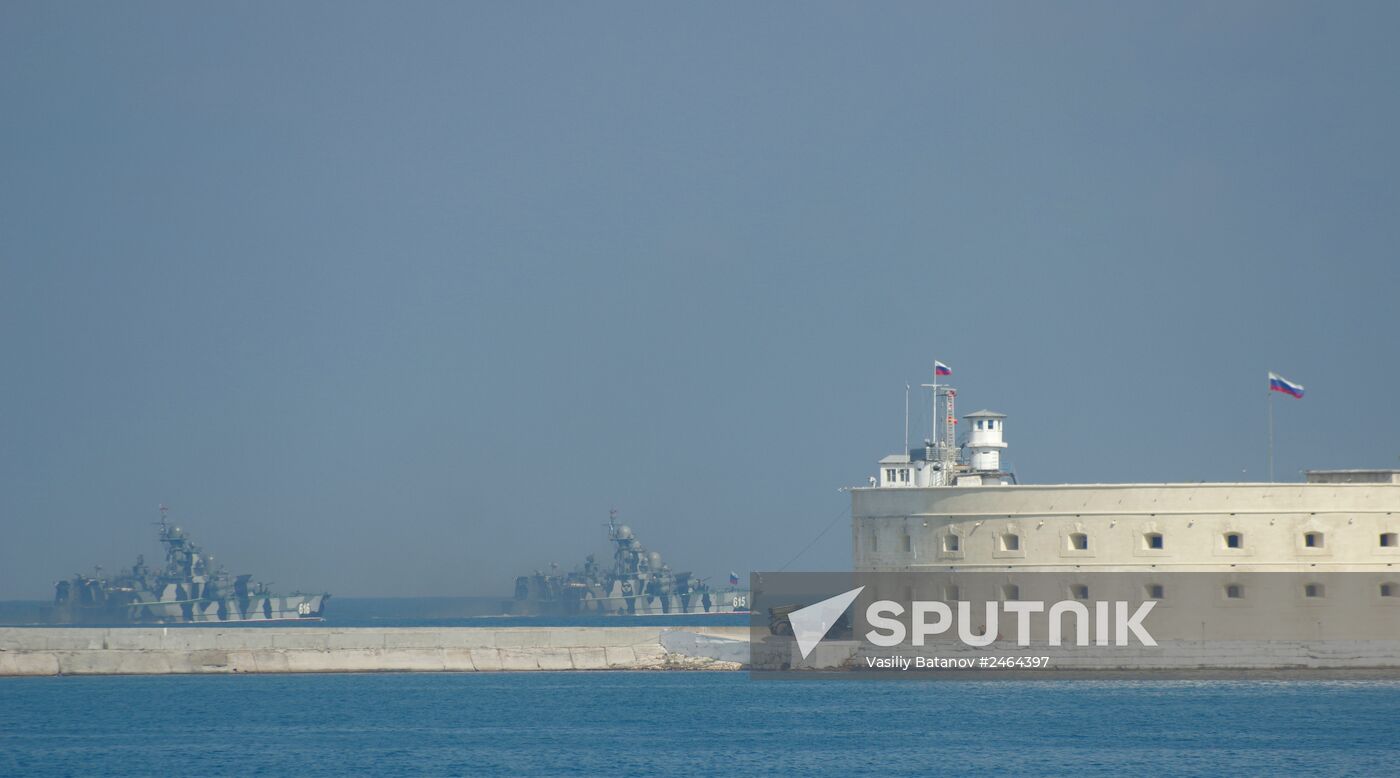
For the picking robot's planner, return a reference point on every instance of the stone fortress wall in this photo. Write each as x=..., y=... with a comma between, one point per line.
x=1339, y=527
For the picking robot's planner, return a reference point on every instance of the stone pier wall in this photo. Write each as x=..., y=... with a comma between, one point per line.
x=117, y=651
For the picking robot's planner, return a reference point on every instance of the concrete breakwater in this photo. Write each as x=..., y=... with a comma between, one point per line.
x=156, y=650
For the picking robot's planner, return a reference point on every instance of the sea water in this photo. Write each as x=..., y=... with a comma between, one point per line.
x=681, y=723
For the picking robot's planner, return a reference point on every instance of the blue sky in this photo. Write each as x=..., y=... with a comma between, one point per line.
x=401, y=300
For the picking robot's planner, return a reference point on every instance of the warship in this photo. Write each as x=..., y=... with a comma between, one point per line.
x=188, y=589
x=638, y=583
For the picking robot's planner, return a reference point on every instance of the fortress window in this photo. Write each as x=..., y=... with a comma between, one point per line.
x=874, y=541
x=950, y=594
x=1078, y=541
x=1234, y=592
x=1010, y=542
x=1079, y=592
x=1314, y=590
x=1156, y=591
x=908, y=543
x=1234, y=540
x=904, y=475
x=1011, y=592
x=1388, y=589
x=1312, y=539
x=1389, y=540
x=1153, y=540
x=951, y=542
x=889, y=474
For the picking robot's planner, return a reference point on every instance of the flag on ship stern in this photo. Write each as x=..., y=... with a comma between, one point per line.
x=733, y=578
x=941, y=369
x=1278, y=383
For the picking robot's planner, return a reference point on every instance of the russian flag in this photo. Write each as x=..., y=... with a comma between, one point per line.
x=733, y=578
x=941, y=369
x=1278, y=383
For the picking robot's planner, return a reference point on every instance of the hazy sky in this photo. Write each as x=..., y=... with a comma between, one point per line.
x=401, y=299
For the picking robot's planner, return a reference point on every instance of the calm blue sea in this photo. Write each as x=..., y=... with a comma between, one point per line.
x=712, y=724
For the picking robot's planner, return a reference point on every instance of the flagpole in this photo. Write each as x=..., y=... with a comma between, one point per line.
x=933, y=408
x=1271, y=434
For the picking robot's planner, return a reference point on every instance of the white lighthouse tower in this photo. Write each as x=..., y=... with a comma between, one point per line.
x=985, y=442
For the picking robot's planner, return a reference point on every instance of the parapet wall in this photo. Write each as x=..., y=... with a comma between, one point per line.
x=154, y=651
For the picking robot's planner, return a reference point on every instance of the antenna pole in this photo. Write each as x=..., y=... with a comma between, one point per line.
x=906, y=419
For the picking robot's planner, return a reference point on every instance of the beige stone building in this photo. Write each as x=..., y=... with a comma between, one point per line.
x=1324, y=524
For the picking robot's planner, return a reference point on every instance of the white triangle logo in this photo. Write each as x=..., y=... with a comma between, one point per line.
x=810, y=624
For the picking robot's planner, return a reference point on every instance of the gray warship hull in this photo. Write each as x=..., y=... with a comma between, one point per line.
x=173, y=608
x=595, y=600
x=188, y=589
x=637, y=583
